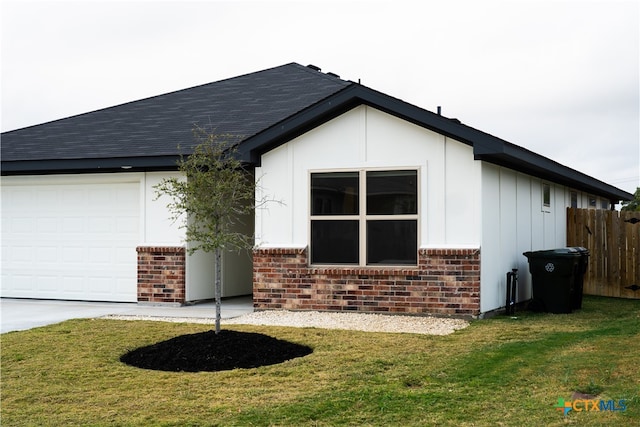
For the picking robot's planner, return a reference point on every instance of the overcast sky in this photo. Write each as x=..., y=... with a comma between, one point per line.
x=560, y=78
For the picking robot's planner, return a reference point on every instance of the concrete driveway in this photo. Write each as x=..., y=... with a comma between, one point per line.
x=22, y=314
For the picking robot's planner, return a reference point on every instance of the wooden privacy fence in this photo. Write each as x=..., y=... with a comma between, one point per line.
x=613, y=238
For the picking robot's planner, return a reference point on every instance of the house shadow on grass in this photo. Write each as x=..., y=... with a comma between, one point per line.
x=208, y=351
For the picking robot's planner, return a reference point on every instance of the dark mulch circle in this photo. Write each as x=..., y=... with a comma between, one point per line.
x=208, y=351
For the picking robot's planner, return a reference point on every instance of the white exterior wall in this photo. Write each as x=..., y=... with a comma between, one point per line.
x=161, y=231
x=200, y=266
x=237, y=271
x=158, y=229
x=514, y=221
x=368, y=138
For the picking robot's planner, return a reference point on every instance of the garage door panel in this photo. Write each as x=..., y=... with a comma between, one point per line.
x=73, y=255
x=124, y=254
x=127, y=225
x=48, y=199
x=20, y=255
x=98, y=256
x=21, y=225
x=72, y=285
x=73, y=241
x=101, y=285
x=74, y=224
x=47, y=285
x=14, y=196
x=47, y=255
x=101, y=225
x=22, y=283
x=47, y=225
x=101, y=198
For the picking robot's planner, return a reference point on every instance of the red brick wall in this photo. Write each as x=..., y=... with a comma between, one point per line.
x=161, y=274
x=445, y=282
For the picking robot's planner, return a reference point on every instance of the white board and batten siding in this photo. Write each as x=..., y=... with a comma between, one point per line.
x=237, y=271
x=364, y=138
x=514, y=221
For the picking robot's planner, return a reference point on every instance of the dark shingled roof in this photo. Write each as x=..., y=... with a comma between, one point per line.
x=266, y=109
x=243, y=106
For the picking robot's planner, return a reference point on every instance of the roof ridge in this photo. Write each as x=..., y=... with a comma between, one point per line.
x=332, y=77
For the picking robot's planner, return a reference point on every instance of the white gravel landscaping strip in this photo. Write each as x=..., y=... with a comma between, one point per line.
x=329, y=320
x=352, y=321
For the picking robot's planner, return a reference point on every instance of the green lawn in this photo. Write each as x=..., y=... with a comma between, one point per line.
x=497, y=372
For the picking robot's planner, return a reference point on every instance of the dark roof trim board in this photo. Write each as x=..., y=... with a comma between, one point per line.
x=341, y=102
x=100, y=165
x=486, y=147
x=269, y=107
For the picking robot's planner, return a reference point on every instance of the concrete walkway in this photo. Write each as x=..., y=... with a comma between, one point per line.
x=22, y=314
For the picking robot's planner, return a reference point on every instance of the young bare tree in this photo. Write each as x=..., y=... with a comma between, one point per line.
x=215, y=192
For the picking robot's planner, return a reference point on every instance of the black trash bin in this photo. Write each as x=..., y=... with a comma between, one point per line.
x=553, y=273
x=579, y=279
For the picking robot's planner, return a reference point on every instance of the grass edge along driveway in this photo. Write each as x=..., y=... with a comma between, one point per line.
x=500, y=371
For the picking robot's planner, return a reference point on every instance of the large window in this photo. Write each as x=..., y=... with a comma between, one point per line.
x=367, y=217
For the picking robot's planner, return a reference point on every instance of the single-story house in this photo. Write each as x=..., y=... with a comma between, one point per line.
x=386, y=207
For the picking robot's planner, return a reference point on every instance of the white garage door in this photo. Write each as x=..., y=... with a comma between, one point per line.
x=70, y=241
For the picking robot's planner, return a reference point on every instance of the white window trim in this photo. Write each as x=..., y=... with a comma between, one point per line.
x=362, y=216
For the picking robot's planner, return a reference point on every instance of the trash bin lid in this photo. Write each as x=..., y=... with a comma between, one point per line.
x=583, y=251
x=555, y=253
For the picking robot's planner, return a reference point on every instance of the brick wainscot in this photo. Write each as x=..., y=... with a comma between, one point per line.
x=161, y=274
x=445, y=282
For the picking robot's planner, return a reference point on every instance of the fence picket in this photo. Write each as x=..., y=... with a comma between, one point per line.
x=613, y=242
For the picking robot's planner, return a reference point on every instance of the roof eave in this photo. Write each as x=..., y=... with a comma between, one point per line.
x=486, y=147
x=98, y=165
x=525, y=161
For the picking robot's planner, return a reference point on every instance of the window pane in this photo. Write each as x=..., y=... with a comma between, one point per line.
x=392, y=192
x=334, y=242
x=546, y=195
x=392, y=242
x=334, y=193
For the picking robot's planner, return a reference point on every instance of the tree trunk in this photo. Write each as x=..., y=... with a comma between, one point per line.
x=218, y=287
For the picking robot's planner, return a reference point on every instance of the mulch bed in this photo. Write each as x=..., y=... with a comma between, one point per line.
x=208, y=351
